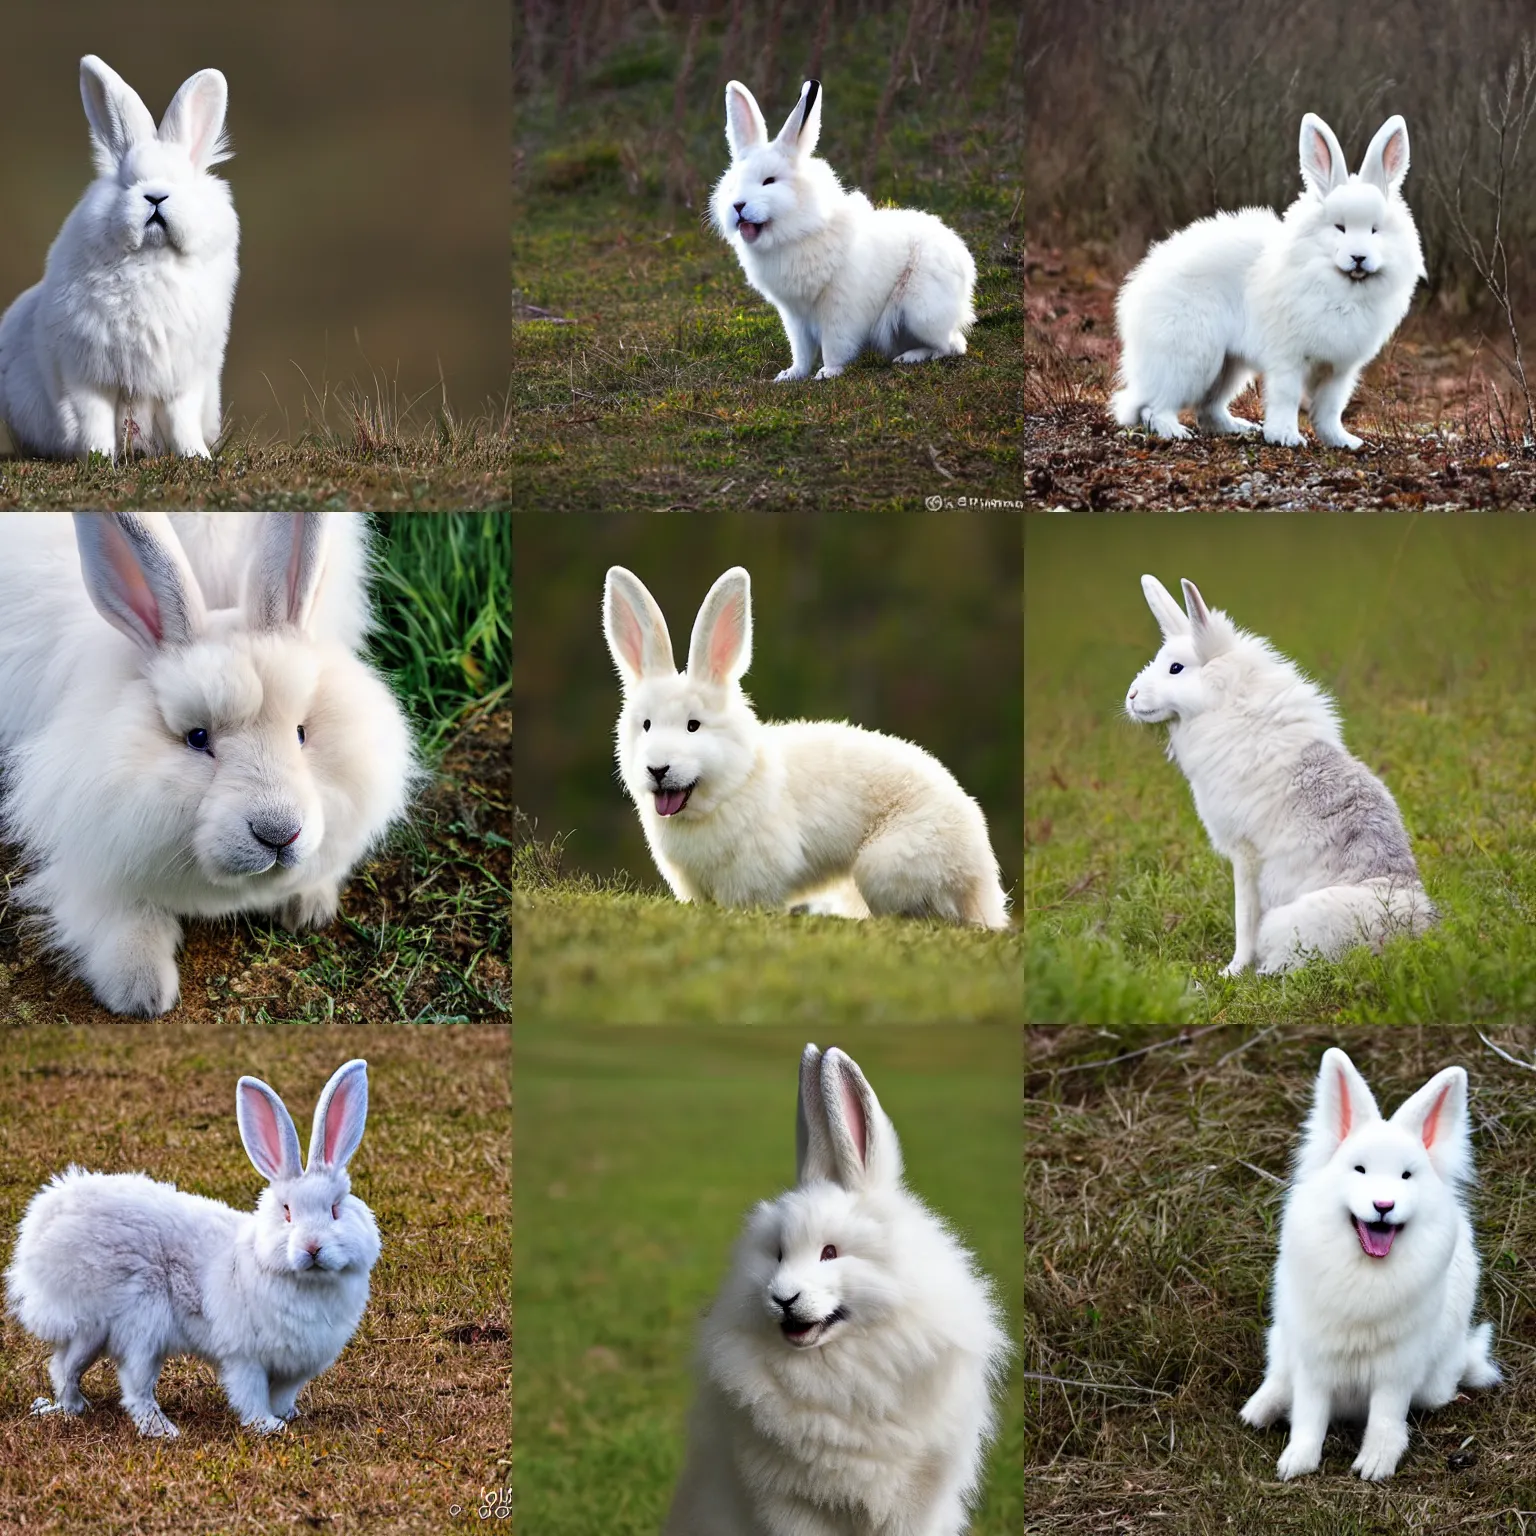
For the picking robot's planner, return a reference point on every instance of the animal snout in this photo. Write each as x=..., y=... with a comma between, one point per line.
x=1131, y=694
x=1383, y=1206
x=156, y=197
x=739, y=206
x=276, y=832
x=785, y=1305
x=659, y=773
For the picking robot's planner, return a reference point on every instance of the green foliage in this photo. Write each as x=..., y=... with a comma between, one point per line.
x=1420, y=628
x=640, y=1150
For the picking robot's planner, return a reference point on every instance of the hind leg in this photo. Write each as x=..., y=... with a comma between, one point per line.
x=1327, y=411
x=1211, y=415
x=892, y=882
x=138, y=1372
x=70, y=1362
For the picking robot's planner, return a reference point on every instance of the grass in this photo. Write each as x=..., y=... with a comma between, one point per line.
x=413, y=1419
x=1420, y=627
x=639, y=1153
x=596, y=951
x=425, y=928
x=1151, y=1217
x=643, y=363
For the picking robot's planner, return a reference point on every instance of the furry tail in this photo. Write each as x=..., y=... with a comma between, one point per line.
x=1338, y=917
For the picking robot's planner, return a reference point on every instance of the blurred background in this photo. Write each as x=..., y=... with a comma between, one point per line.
x=908, y=624
x=370, y=176
x=1145, y=114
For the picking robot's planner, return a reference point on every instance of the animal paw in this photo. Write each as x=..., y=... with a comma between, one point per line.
x=1295, y=1462
x=1234, y=968
x=266, y=1424
x=916, y=355
x=151, y=1422
x=1285, y=437
x=791, y=375
x=1379, y=1460
x=828, y=371
x=44, y=1406
x=1343, y=439
x=310, y=909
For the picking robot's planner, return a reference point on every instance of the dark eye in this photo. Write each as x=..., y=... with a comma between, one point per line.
x=301, y=735
x=781, y=1253
x=1359, y=1167
x=645, y=725
x=197, y=739
x=1407, y=1175
x=693, y=725
x=1340, y=229
x=1373, y=229
x=768, y=181
x=287, y=1214
x=829, y=1252
x=1175, y=669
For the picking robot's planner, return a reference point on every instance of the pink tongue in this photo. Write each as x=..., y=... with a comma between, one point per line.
x=670, y=801
x=749, y=230
x=1378, y=1244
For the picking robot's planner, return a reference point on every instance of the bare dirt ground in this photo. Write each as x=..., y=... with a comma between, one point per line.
x=1438, y=434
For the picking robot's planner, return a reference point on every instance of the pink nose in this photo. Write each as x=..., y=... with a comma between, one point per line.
x=1131, y=694
x=1384, y=1205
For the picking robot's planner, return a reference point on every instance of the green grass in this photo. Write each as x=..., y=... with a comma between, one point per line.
x=643, y=363
x=591, y=951
x=639, y=1153
x=1151, y=1212
x=414, y=1418
x=1423, y=630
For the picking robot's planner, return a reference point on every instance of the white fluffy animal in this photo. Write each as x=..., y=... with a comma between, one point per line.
x=121, y=346
x=1320, y=859
x=845, y=276
x=745, y=813
x=847, y=1367
x=187, y=729
x=121, y=1265
x=1307, y=301
x=1377, y=1273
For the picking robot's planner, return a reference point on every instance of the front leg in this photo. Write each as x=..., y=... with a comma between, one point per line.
x=87, y=422
x=1245, y=894
x=284, y=1398
x=127, y=956
x=1386, y=1434
x=1328, y=402
x=182, y=426
x=803, y=341
x=838, y=349
x=1282, y=406
x=1310, y=1408
x=314, y=908
x=246, y=1387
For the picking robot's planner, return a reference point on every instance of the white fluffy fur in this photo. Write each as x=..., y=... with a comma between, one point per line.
x=121, y=346
x=1307, y=301
x=844, y=276
x=1357, y=1335
x=113, y=649
x=117, y=1264
x=1317, y=868
x=771, y=813
x=847, y=1367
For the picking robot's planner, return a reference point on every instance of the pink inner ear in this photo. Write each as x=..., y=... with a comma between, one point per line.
x=1319, y=154
x=131, y=586
x=262, y=1119
x=725, y=637
x=1432, y=1119
x=626, y=629
x=337, y=1115
x=1392, y=155
x=1346, y=1110
x=853, y=1114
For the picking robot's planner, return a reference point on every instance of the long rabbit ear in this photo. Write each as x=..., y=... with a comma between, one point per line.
x=721, y=648
x=1341, y=1105
x=1171, y=619
x=636, y=631
x=745, y=129
x=802, y=128
x=137, y=576
x=340, y=1116
x=1437, y=1116
x=1386, y=160
x=118, y=118
x=865, y=1151
x=1322, y=161
x=813, y=1146
x=195, y=118
x=284, y=575
x=266, y=1129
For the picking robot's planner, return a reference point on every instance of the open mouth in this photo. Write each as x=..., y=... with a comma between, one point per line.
x=1357, y=274
x=749, y=230
x=802, y=1335
x=670, y=801
x=1375, y=1237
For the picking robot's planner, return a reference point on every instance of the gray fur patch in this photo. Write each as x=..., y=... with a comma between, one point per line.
x=1352, y=816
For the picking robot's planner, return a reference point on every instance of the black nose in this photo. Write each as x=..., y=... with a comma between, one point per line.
x=659, y=773
x=1384, y=1205
x=275, y=832
x=156, y=197
x=738, y=206
x=783, y=1305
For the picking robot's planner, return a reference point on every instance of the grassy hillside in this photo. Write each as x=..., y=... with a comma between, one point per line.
x=639, y=1152
x=1422, y=628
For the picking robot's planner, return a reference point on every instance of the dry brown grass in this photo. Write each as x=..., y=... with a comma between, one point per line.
x=1150, y=1232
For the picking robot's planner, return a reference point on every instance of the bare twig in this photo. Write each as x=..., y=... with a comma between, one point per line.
x=1184, y=1037
x=1238, y=1050
x=1514, y=1061
x=1093, y=1386
x=1263, y=1173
